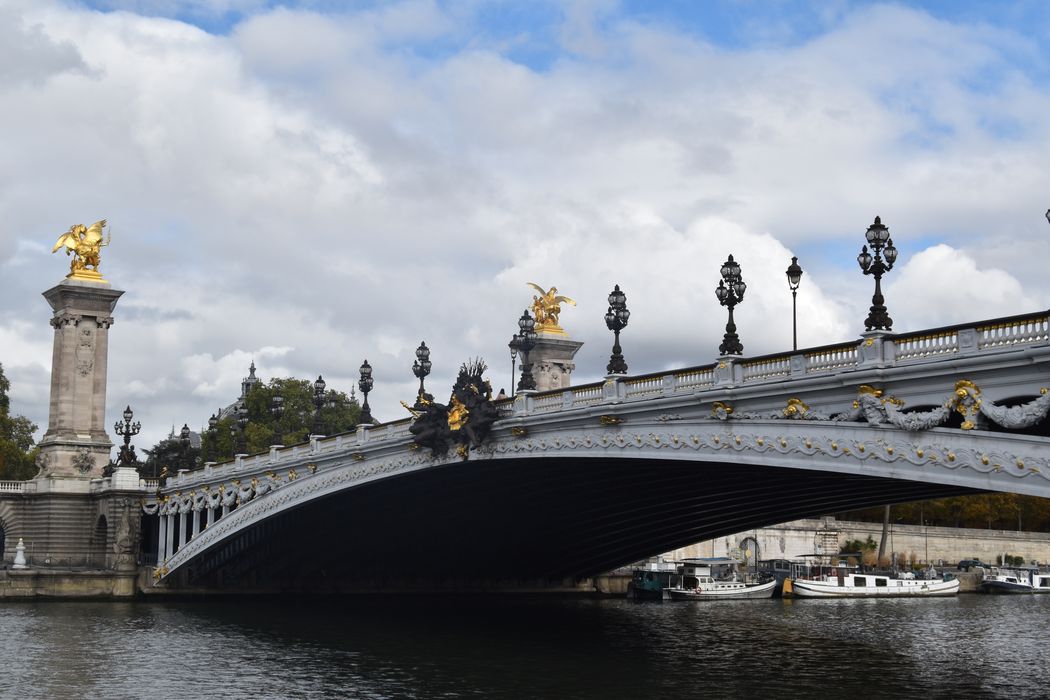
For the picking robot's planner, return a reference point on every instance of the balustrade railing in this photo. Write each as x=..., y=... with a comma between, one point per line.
x=911, y=347
x=767, y=368
x=1012, y=331
x=829, y=359
x=644, y=386
x=12, y=486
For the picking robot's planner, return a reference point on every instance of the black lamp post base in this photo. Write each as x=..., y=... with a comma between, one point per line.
x=731, y=345
x=878, y=319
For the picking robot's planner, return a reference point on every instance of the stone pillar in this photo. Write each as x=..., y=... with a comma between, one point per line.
x=76, y=444
x=211, y=517
x=162, y=539
x=182, y=530
x=196, y=515
x=169, y=543
x=551, y=360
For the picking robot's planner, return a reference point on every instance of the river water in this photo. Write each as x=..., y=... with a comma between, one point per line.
x=510, y=647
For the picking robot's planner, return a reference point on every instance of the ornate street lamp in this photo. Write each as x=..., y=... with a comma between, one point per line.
x=184, y=442
x=878, y=237
x=526, y=341
x=1048, y=215
x=513, y=345
x=421, y=368
x=730, y=292
x=242, y=424
x=126, y=430
x=794, y=275
x=277, y=409
x=365, y=384
x=213, y=437
x=319, y=385
x=616, y=319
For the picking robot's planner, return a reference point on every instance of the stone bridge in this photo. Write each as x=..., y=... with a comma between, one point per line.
x=578, y=481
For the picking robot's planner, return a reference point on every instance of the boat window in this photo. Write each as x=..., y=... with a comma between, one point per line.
x=880, y=581
x=860, y=581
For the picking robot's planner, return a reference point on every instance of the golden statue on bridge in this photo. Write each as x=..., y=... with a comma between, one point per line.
x=547, y=307
x=84, y=243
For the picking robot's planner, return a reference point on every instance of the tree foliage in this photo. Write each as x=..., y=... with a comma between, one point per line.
x=17, y=451
x=339, y=414
x=994, y=511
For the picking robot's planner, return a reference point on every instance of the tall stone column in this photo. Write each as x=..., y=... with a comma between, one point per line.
x=76, y=444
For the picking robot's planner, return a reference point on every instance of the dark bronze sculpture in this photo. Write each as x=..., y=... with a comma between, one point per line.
x=466, y=420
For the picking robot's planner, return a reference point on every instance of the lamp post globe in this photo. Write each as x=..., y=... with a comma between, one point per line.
x=730, y=292
x=877, y=263
x=794, y=277
x=365, y=384
x=242, y=424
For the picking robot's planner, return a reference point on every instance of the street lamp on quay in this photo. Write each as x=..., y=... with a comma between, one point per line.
x=421, y=368
x=730, y=292
x=878, y=237
x=277, y=409
x=365, y=385
x=794, y=275
x=616, y=320
x=524, y=341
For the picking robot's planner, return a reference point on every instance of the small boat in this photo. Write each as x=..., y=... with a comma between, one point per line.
x=1040, y=583
x=715, y=578
x=708, y=588
x=854, y=585
x=649, y=583
x=1006, y=582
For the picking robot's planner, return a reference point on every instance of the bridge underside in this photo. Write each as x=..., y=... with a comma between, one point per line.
x=515, y=520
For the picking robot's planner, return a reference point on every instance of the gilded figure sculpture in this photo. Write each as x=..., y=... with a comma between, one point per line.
x=547, y=307
x=84, y=243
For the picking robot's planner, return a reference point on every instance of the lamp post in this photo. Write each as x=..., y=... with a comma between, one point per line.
x=616, y=320
x=878, y=237
x=794, y=275
x=526, y=340
x=1048, y=215
x=184, y=442
x=277, y=409
x=242, y=424
x=421, y=368
x=318, y=427
x=126, y=430
x=365, y=384
x=730, y=292
x=513, y=345
x=213, y=436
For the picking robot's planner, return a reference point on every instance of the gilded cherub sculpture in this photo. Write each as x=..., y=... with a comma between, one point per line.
x=84, y=243
x=547, y=307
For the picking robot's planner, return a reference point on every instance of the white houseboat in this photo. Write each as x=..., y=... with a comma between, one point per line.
x=857, y=585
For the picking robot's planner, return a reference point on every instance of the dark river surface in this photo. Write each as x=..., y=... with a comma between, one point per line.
x=523, y=647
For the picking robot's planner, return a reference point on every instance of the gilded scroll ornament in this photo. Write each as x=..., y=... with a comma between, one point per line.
x=84, y=243
x=547, y=307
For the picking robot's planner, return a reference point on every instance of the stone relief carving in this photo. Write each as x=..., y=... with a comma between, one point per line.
x=44, y=463
x=85, y=352
x=83, y=461
x=124, y=544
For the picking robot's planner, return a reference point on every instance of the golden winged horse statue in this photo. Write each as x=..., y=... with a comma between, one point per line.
x=84, y=243
x=547, y=307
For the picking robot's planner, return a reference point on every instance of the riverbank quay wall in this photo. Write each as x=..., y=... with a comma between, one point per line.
x=826, y=536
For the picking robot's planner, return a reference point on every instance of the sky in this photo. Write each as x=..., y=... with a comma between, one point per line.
x=312, y=184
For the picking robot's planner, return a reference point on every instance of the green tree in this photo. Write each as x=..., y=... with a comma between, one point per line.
x=17, y=451
x=339, y=414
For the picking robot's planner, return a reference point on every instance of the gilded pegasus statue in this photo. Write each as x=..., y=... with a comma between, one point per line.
x=547, y=307
x=84, y=243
